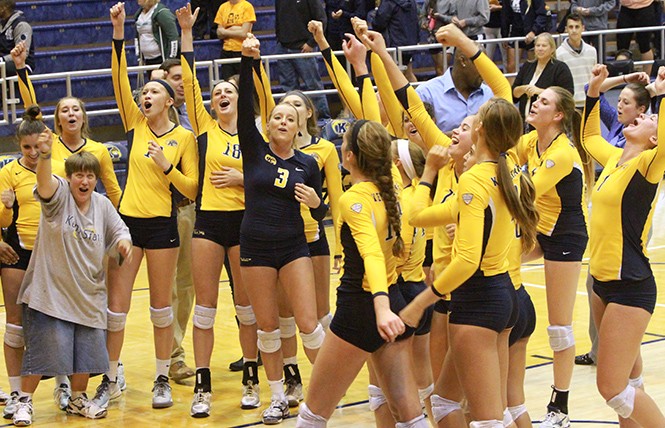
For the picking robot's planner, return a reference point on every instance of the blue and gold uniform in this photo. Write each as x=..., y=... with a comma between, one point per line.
x=148, y=192
x=272, y=232
x=60, y=151
x=623, y=201
x=22, y=220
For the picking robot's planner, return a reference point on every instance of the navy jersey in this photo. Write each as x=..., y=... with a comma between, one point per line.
x=271, y=209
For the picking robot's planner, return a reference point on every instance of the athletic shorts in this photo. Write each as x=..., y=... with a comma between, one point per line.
x=410, y=290
x=220, y=227
x=442, y=306
x=355, y=319
x=630, y=18
x=274, y=254
x=154, y=233
x=526, y=321
x=567, y=247
x=320, y=246
x=23, y=259
x=489, y=302
x=639, y=294
x=56, y=347
x=429, y=258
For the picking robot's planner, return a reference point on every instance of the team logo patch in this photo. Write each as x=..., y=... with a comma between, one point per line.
x=549, y=163
x=172, y=143
x=467, y=198
x=271, y=159
x=356, y=208
x=340, y=127
x=315, y=156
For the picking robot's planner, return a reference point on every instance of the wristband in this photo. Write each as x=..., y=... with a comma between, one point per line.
x=45, y=156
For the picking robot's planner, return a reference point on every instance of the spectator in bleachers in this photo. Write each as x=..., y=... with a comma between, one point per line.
x=234, y=20
x=594, y=14
x=339, y=13
x=291, y=19
x=433, y=16
x=156, y=33
x=536, y=76
x=522, y=18
x=205, y=21
x=578, y=55
x=493, y=30
x=398, y=21
x=15, y=29
x=455, y=95
x=638, y=13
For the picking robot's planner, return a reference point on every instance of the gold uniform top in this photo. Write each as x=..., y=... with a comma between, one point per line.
x=367, y=241
x=60, y=151
x=623, y=201
x=415, y=241
x=22, y=219
x=148, y=190
x=558, y=176
x=217, y=148
x=485, y=232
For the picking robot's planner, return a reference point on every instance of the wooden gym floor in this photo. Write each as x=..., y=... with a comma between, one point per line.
x=587, y=408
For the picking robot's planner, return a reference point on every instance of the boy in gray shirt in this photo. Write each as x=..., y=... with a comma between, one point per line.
x=63, y=293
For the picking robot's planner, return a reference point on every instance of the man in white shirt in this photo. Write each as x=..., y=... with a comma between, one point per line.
x=580, y=57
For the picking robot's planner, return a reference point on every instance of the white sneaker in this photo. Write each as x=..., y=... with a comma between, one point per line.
x=106, y=391
x=84, y=407
x=274, y=414
x=161, y=397
x=293, y=392
x=250, y=396
x=120, y=377
x=61, y=395
x=201, y=405
x=10, y=407
x=24, y=413
x=4, y=397
x=555, y=420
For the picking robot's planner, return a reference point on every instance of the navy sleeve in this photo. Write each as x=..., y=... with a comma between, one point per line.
x=248, y=136
x=314, y=181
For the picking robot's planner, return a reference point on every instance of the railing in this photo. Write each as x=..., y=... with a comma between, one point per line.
x=8, y=84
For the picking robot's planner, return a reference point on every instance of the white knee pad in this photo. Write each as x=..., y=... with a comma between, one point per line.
x=418, y=422
x=115, y=321
x=313, y=340
x=491, y=423
x=517, y=411
x=288, y=327
x=561, y=337
x=376, y=398
x=307, y=419
x=442, y=407
x=638, y=382
x=424, y=393
x=269, y=341
x=245, y=315
x=326, y=320
x=14, y=336
x=161, y=318
x=624, y=402
x=507, y=418
x=204, y=318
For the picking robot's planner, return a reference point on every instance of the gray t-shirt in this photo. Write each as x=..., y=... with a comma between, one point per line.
x=65, y=277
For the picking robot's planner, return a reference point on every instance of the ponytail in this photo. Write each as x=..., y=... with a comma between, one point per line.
x=521, y=204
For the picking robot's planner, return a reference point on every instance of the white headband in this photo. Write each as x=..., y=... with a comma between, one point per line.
x=405, y=157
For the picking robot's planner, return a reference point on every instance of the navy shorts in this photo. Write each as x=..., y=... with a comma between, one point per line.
x=56, y=347
x=442, y=306
x=410, y=290
x=23, y=259
x=639, y=294
x=526, y=322
x=566, y=247
x=220, y=227
x=320, y=246
x=429, y=258
x=489, y=302
x=274, y=254
x=154, y=233
x=355, y=319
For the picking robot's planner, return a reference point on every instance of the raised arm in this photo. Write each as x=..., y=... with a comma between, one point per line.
x=47, y=184
x=264, y=91
x=657, y=166
x=248, y=136
x=391, y=104
x=19, y=54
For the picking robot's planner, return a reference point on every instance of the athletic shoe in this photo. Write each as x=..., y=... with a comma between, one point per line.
x=201, y=405
x=24, y=412
x=180, y=371
x=120, y=377
x=274, y=414
x=161, y=397
x=84, y=407
x=293, y=392
x=555, y=420
x=585, y=360
x=250, y=396
x=61, y=395
x=4, y=397
x=106, y=391
x=10, y=408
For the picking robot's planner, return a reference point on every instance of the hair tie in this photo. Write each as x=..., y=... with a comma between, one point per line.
x=166, y=85
x=355, y=129
x=503, y=154
x=405, y=158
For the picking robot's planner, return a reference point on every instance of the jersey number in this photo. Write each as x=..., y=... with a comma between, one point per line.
x=283, y=177
x=235, y=153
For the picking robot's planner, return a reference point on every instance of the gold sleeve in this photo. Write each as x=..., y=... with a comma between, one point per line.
x=25, y=88
x=493, y=77
x=594, y=144
x=108, y=177
x=343, y=84
x=186, y=181
x=390, y=102
x=657, y=166
x=370, y=105
x=430, y=133
x=198, y=115
x=423, y=214
x=335, y=191
x=129, y=111
x=266, y=100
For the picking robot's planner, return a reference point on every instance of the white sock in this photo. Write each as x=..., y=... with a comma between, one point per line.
x=112, y=374
x=60, y=379
x=277, y=389
x=15, y=383
x=162, y=368
x=290, y=360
